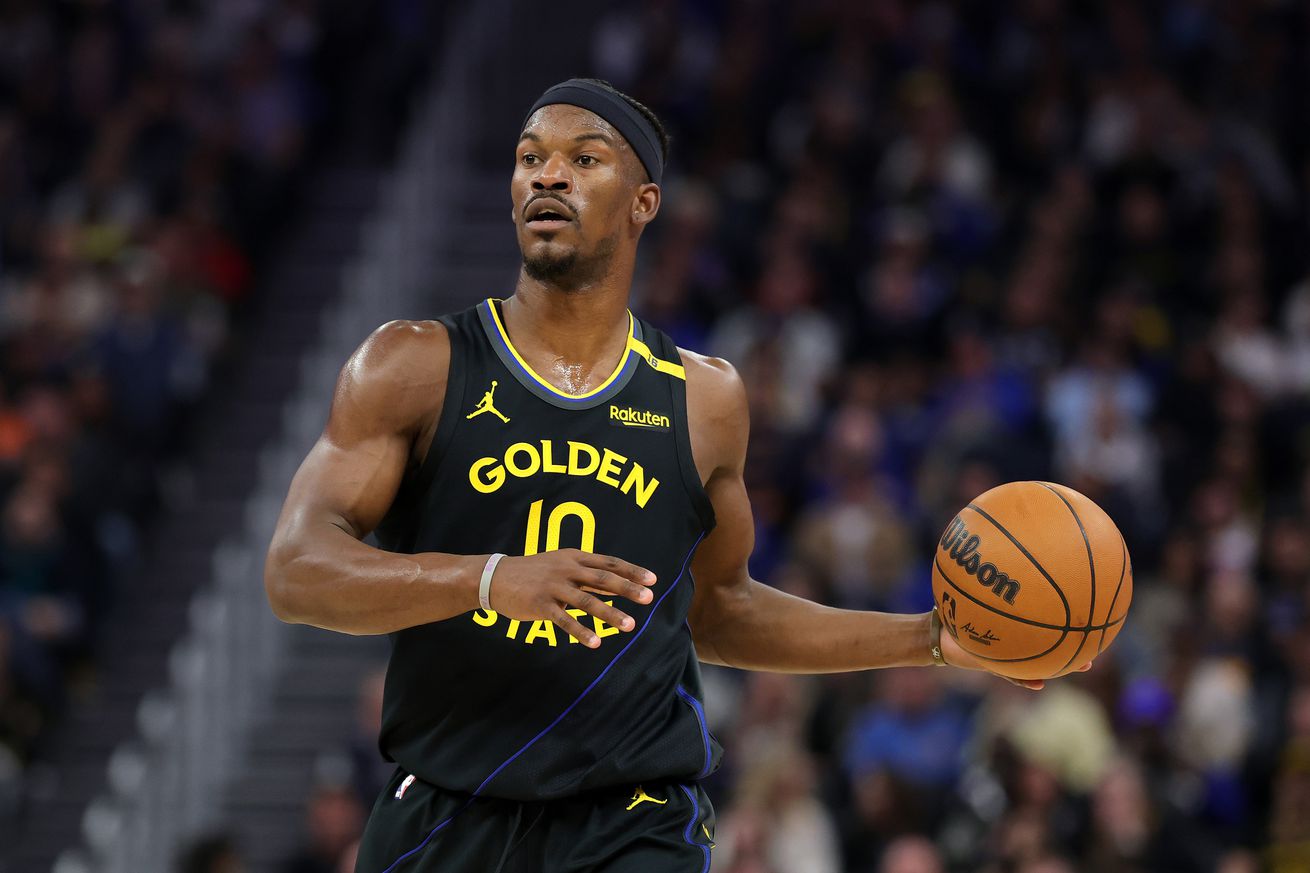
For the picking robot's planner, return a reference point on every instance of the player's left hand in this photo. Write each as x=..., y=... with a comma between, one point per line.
x=955, y=655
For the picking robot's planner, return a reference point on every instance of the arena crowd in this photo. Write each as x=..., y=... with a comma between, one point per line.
x=953, y=244
x=150, y=154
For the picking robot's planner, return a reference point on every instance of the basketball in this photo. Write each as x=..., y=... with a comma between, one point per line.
x=1033, y=578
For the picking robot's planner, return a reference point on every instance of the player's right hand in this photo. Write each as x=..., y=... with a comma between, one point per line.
x=547, y=585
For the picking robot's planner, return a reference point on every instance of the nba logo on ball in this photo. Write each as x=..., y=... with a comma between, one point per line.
x=404, y=786
x=1077, y=580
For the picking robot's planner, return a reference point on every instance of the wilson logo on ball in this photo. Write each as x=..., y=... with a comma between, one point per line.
x=962, y=548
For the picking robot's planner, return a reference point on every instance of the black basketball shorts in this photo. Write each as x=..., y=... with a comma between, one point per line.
x=416, y=827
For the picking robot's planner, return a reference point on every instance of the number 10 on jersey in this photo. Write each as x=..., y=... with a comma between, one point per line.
x=554, y=523
x=544, y=630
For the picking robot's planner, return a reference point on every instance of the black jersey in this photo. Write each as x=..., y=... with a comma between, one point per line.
x=496, y=707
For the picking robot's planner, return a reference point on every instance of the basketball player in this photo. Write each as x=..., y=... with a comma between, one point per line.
x=558, y=493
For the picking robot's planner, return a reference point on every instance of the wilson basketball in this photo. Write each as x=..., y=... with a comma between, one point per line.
x=1033, y=578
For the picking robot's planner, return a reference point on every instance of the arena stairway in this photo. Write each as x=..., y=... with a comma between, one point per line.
x=201, y=509
x=464, y=249
x=300, y=735
x=438, y=239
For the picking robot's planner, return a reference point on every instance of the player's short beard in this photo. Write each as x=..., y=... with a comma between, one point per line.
x=570, y=271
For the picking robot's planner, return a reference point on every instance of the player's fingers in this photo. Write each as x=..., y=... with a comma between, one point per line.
x=618, y=566
x=574, y=628
x=593, y=605
x=605, y=581
x=1030, y=684
x=1085, y=667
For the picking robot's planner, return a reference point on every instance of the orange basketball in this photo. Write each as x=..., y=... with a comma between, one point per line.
x=1033, y=578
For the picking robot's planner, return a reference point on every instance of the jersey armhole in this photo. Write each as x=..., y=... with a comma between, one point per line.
x=700, y=501
x=453, y=400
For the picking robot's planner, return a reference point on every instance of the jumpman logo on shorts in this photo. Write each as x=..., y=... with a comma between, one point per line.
x=641, y=796
x=486, y=404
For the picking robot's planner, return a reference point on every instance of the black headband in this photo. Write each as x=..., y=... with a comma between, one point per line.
x=634, y=126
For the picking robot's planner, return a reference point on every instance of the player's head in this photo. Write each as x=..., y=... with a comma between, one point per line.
x=592, y=157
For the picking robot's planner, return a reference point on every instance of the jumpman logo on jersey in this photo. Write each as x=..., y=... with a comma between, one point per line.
x=486, y=404
x=641, y=796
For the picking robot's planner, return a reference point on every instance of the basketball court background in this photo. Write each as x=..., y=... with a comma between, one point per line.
x=946, y=244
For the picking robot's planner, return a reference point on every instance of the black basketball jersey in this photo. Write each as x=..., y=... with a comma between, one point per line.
x=517, y=709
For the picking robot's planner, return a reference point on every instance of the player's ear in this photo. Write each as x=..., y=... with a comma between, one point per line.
x=646, y=203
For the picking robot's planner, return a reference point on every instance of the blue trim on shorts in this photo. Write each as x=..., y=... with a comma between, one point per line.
x=396, y=863
x=571, y=707
x=704, y=729
x=686, y=834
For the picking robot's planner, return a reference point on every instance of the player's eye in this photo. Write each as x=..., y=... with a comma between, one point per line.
x=529, y=160
x=587, y=160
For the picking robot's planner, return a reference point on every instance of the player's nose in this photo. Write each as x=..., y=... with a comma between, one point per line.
x=555, y=175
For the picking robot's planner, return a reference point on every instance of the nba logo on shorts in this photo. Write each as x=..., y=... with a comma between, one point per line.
x=404, y=786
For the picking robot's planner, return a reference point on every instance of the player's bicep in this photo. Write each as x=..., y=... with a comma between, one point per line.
x=720, y=564
x=723, y=584
x=351, y=485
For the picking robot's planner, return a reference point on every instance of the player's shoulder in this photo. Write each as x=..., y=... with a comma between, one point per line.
x=714, y=387
x=403, y=349
x=708, y=374
x=405, y=338
x=397, y=374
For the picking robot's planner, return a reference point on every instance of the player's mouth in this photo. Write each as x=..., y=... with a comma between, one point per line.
x=547, y=213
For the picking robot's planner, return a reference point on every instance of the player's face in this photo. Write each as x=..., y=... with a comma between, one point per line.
x=574, y=184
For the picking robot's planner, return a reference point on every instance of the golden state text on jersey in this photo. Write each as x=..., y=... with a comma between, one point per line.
x=498, y=707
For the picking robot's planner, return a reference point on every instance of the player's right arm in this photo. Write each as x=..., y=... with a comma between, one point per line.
x=318, y=571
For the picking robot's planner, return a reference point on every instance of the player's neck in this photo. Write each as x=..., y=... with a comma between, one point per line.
x=562, y=330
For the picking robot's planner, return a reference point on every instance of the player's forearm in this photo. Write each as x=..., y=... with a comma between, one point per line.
x=331, y=580
x=767, y=629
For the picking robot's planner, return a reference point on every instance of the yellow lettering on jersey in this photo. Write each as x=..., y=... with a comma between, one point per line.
x=534, y=529
x=602, y=629
x=576, y=449
x=548, y=464
x=543, y=629
x=609, y=465
x=556, y=522
x=525, y=460
x=637, y=477
x=492, y=480
x=515, y=452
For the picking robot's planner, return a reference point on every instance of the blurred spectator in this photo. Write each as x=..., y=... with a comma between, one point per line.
x=216, y=853
x=777, y=824
x=855, y=537
x=912, y=731
x=1290, y=822
x=369, y=769
x=798, y=341
x=334, y=820
x=911, y=855
x=348, y=857
x=1065, y=731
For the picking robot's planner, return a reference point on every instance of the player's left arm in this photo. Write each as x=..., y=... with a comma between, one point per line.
x=739, y=622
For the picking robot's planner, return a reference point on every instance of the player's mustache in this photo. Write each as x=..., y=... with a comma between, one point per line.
x=548, y=195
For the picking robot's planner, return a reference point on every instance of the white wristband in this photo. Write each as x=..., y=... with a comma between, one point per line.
x=484, y=586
